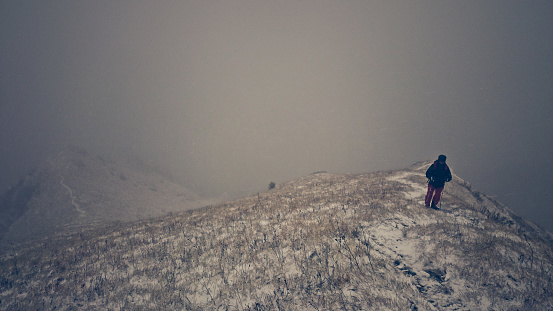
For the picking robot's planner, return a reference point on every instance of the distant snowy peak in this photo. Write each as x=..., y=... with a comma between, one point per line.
x=77, y=190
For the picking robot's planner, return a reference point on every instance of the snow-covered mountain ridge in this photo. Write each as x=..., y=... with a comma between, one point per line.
x=321, y=242
x=78, y=190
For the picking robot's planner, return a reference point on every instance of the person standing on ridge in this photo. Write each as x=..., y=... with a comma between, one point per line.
x=438, y=174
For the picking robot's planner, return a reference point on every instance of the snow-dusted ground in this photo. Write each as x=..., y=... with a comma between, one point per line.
x=322, y=242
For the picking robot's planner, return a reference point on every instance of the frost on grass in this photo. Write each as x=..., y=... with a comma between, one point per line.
x=322, y=242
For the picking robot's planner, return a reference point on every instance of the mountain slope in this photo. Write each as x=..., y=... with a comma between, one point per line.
x=77, y=190
x=322, y=242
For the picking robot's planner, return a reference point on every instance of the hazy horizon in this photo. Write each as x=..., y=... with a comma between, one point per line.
x=231, y=95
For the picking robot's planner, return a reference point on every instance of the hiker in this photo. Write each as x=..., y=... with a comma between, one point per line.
x=438, y=174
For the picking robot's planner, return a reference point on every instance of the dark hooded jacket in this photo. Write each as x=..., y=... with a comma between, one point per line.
x=438, y=174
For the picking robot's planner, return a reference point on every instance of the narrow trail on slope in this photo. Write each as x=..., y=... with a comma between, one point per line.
x=77, y=207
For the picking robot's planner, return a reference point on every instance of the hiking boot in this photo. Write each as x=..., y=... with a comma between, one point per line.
x=434, y=207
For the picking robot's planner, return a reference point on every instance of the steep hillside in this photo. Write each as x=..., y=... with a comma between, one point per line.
x=322, y=242
x=77, y=190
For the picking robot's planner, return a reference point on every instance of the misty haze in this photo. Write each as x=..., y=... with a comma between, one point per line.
x=273, y=155
x=228, y=96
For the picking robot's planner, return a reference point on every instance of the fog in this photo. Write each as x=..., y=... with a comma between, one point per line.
x=230, y=95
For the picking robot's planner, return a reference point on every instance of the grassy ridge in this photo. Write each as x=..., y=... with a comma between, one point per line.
x=322, y=242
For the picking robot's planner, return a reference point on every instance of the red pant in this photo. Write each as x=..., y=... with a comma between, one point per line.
x=433, y=191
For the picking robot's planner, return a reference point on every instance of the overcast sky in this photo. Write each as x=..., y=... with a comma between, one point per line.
x=230, y=95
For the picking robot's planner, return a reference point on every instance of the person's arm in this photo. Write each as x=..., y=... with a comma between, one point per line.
x=429, y=172
x=448, y=177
